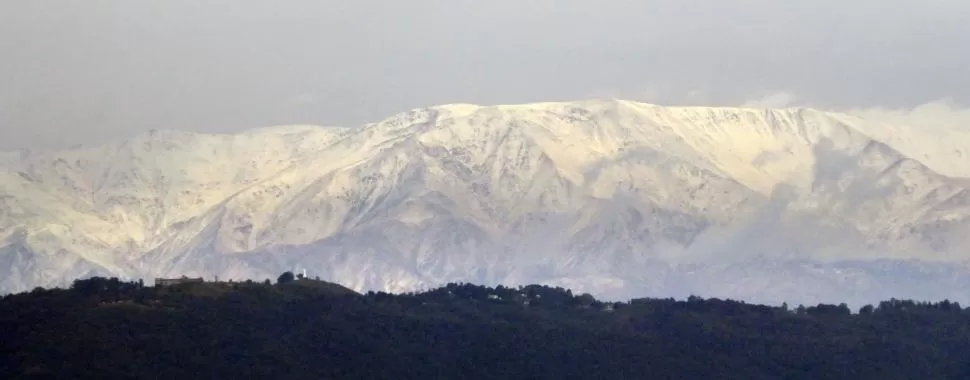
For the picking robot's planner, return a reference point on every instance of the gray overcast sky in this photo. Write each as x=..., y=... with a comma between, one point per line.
x=85, y=71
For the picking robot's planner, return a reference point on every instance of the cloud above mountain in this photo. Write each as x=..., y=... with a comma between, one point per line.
x=100, y=69
x=942, y=114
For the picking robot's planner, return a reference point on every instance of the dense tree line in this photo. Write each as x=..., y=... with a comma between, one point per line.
x=301, y=328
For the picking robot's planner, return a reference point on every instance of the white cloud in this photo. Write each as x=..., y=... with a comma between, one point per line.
x=941, y=114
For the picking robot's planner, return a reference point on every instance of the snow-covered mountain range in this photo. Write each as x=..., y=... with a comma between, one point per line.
x=617, y=198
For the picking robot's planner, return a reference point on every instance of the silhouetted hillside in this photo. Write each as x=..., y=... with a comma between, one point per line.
x=301, y=329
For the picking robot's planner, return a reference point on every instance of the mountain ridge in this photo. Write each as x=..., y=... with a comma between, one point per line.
x=559, y=191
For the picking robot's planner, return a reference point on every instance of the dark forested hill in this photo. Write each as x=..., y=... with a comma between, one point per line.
x=303, y=329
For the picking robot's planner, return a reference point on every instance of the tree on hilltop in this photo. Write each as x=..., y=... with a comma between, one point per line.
x=285, y=277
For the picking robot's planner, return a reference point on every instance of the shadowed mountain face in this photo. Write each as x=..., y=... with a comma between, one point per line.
x=611, y=197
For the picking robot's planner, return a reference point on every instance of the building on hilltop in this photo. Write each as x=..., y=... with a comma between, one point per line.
x=177, y=281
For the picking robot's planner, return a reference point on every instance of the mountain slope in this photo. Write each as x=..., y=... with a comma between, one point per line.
x=614, y=197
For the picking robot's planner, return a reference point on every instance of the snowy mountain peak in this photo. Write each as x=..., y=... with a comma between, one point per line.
x=611, y=196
